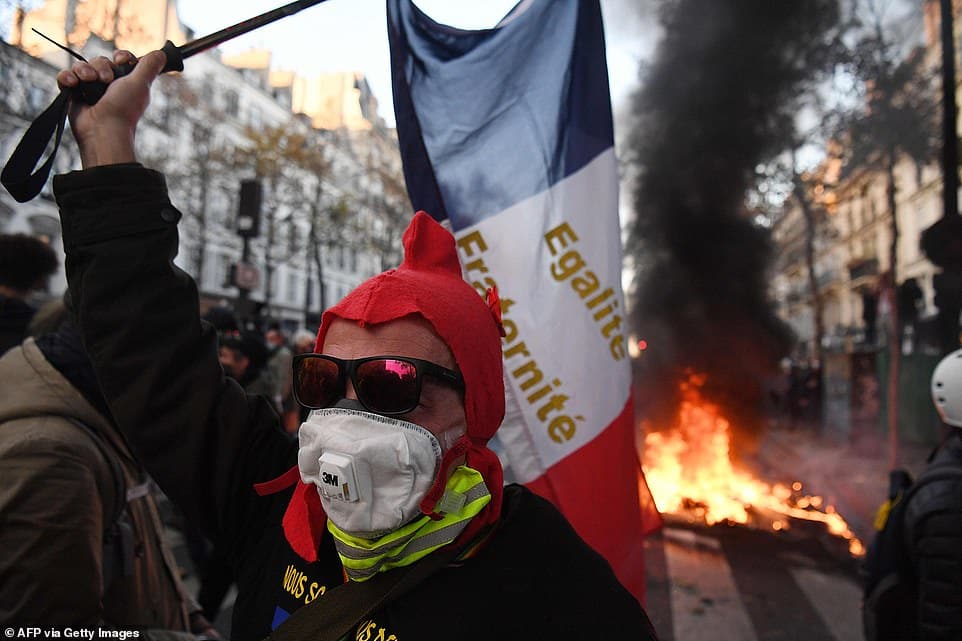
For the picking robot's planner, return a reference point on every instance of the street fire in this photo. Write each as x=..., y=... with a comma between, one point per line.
x=689, y=471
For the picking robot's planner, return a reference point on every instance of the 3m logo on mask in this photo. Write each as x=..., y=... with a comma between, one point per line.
x=338, y=479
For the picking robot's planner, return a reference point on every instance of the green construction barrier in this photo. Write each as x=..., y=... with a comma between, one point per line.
x=918, y=420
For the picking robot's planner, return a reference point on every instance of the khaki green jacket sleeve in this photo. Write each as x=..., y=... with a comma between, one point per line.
x=52, y=524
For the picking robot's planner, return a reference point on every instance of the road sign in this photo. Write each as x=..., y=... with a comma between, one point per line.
x=246, y=276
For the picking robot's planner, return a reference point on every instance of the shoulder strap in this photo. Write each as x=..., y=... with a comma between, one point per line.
x=938, y=472
x=117, y=555
x=117, y=474
x=948, y=470
x=337, y=612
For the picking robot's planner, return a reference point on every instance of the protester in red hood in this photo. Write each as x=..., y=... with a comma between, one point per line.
x=390, y=520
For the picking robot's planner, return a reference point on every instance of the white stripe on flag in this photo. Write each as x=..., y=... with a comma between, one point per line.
x=556, y=259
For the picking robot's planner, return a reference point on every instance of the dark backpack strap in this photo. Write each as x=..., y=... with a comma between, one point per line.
x=118, y=535
x=941, y=471
x=337, y=612
x=18, y=175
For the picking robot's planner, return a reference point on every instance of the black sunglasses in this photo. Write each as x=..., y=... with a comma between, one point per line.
x=387, y=385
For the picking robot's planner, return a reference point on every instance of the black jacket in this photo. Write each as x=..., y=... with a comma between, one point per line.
x=207, y=443
x=933, y=529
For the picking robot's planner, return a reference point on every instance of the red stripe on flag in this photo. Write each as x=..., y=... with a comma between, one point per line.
x=601, y=489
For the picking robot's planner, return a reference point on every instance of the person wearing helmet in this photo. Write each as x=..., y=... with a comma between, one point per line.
x=933, y=515
x=388, y=519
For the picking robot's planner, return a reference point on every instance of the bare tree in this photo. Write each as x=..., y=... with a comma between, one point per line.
x=896, y=118
x=309, y=154
x=806, y=188
x=196, y=176
x=292, y=161
x=393, y=207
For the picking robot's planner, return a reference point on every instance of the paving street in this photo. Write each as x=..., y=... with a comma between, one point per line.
x=741, y=584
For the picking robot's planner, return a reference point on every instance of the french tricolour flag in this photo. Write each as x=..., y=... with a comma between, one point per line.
x=507, y=134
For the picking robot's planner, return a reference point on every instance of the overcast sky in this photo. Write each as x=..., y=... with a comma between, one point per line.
x=351, y=35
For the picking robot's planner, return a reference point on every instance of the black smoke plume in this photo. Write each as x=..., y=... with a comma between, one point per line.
x=719, y=97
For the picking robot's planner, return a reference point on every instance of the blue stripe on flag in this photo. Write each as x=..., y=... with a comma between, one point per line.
x=488, y=118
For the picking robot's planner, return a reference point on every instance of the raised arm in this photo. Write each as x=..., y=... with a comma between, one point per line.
x=198, y=434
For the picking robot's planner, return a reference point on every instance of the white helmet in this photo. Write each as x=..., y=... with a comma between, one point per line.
x=947, y=388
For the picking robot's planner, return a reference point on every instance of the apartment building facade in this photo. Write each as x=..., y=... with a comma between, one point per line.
x=333, y=204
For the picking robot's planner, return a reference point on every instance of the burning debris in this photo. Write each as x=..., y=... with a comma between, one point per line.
x=690, y=472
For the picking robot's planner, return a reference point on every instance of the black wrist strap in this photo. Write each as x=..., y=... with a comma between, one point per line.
x=19, y=177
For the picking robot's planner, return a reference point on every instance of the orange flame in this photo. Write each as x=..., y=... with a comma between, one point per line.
x=689, y=467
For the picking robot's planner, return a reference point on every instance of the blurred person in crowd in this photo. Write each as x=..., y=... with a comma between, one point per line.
x=391, y=498
x=304, y=341
x=244, y=357
x=223, y=320
x=303, y=344
x=26, y=264
x=81, y=538
x=279, y=362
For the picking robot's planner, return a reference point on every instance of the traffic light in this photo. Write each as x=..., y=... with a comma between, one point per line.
x=249, y=210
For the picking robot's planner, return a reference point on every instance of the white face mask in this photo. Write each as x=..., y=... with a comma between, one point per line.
x=371, y=471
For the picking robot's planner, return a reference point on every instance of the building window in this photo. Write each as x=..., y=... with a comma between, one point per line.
x=206, y=92
x=274, y=279
x=36, y=97
x=221, y=270
x=292, y=288
x=159, y=109
x=231, y=103
x=255, y=118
